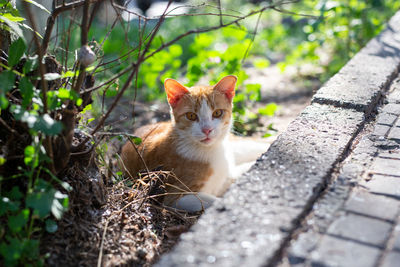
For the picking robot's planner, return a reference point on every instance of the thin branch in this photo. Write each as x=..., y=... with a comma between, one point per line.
x=294, y=13
x=116, y=76
x=95, y=9
x=129, y=80
x=84, y=41
x=163, y=46
x=11, y=130
x=254, y=36
x=52, y=19
x=221, y=22
x=84, y=25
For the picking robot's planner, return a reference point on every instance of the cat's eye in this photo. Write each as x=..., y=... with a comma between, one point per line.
x=217, y=113
x=191, y=116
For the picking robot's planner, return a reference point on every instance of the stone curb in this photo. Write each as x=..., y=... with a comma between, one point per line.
x=255, y=220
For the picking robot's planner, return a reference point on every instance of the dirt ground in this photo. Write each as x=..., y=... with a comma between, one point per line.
x=120, y=223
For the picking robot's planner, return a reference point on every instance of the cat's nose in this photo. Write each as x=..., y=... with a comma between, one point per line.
x=206, y=131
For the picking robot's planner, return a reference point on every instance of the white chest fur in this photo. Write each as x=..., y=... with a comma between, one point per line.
x=222, y=164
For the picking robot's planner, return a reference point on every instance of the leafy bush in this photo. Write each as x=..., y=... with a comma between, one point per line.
x=29, y=199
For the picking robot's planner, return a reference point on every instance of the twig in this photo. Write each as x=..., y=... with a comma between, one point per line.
x=221, y=22
x=129, y=80
x=116, y=76
x=254, y=36
x=10, y=129
x=163, y=46
x=84, y=25
x=144, y=164
x=294, y=13
x=99, y=259
x=52, y=19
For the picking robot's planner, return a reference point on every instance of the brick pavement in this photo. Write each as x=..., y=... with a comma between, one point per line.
x=364, y=228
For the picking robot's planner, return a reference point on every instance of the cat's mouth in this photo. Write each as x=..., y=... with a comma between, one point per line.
x=206, y=140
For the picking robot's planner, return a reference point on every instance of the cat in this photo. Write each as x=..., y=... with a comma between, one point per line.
x=193, y=145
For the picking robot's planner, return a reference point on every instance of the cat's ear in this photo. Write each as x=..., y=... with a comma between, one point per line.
x=175, y=91
x=227, y=86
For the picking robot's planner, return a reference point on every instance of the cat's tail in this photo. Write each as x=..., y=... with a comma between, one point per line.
x=194, y=202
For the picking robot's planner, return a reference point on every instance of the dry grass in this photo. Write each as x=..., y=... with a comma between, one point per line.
x=114, y=224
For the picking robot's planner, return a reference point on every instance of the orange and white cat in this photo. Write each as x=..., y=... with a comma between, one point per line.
x=194, y=145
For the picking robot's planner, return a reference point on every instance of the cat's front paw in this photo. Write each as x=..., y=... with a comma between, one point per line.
x=194, y=202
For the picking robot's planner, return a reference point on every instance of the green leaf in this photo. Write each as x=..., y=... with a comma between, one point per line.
x=65, y=185
x=7, y=80
x=7, y=204
x=136, y=140
x=17, y=49
x=31, y=158
x=79, y=102
x=12, y=18
x=268, y=110
x=11, y=251
x=3, y=101
x=2, y=160
x=15, y=223
x=261, y=63
x=64, y=93
x=69, y=74
x=254, y=91
x=234, y=32
x=89, y=69
x=26, y=88
x=38, y=5
x=47, y=125
x=30, y=64
x=13, y=25
x=29, y=28
x=31, y=250
x=15, y=193
x=51, y=226
x=20, y=113
x=86, y=109
x=175, y=50
x=45, y=200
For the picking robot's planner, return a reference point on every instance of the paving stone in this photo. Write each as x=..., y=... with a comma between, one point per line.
x=342, y=253
x=361, y=228
x=386, y=166
x=396, y=244
x=381, y=130
x=369, y=204
x=391, y=109
x=385, y=118
x=384, y=185
x=392, y=153
x=394, y=133
x=395, y=96
x=392, y=260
